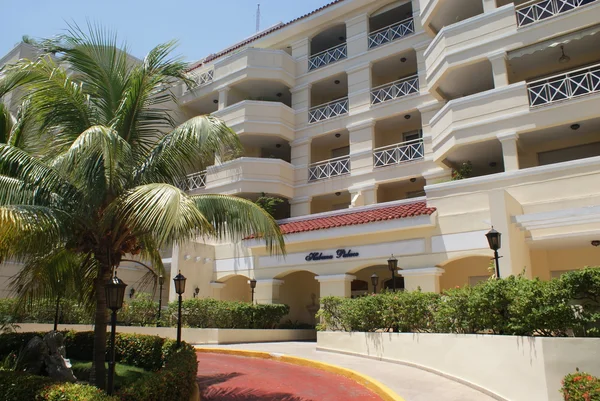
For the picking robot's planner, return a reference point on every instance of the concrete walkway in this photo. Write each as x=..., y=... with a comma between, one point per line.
x=410, y=383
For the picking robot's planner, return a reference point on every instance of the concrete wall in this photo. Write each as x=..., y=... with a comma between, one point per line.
x=193, y=336
x=513, y=368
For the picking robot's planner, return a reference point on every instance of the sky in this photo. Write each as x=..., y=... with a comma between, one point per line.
x=201, y=27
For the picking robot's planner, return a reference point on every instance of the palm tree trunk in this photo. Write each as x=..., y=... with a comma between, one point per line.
x=98, y=371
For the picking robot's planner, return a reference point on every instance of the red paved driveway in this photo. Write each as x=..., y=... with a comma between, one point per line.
x=234, y=378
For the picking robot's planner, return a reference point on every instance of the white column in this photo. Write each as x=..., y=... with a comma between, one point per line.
x=361, y=146
x=300, y=159
x=510, y=151
x=301, y=103
x=427, y=279
x=362, y=196
x=356, y=34
x=419, y=49
x=301, y=52
x=427, y=112
x=267, y=291
x=300, y=206
x=359, y=87
x=499, y=68
x=488, y=5
x=223, y=92
x=437, y=176
x=337, y=285
x=216, y=289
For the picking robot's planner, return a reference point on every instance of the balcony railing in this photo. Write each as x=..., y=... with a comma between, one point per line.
x=399, y=153
x=394, y=90
x=204, y=78
x=564, y=86
x=328, y=110
x=329, y=168
x=538, y=10
x=193, y=181
x=391, y=33
x=328, y=56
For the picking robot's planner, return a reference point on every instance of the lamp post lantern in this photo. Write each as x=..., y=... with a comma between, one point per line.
x=161, y=282
x=179, y=281
x=393, y=266
x=252, y=287
x=495, y=243
x=115, y=292
x=375, y=281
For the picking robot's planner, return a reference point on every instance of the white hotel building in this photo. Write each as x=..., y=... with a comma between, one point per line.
x=358, y=112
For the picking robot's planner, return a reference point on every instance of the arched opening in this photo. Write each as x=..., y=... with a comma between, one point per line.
x=300, y=291
x=363, y=284
x=359, y=288
x=465, y=271
x=236, y=289
x=389, y=284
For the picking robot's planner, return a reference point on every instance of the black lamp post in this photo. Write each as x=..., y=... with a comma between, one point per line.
x=131, y=292
x=252, y=286
x=393, y=266
x=56, y=312
x=115, y=292
x=179, y=281
x=494, y=240
x=375, y=281
x=161, y=282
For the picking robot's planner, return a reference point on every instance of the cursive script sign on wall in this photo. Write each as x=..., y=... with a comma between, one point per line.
x=339, y=254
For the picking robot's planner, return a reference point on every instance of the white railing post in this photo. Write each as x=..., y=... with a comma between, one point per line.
x=391, y=32
x=538, y=10
x=193, y=181
x=329, y=168
x=564, y=86
x=398, y=153
x=328, y=56
x=394, y=90
x=328, y=110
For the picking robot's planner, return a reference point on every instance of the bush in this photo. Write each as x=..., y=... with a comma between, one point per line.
x=580, y=386
x=70, y=312
x=19, y=386
x=211, y=313
x=73, y=392
x=511, y=306
x=140, y=311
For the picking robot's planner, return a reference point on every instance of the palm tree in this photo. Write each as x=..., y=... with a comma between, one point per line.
x=104, y=183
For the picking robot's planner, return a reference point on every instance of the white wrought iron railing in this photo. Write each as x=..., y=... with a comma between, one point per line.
x=538, y=10
x=204, y=78
x=329, y=168
x=391, y=33
x=564, y=86
x=328, y=56
x=398, y=153
x=328, y=110
x=193, y=181
x=394, y=90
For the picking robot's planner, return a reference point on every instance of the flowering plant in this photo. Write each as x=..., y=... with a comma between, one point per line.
x=580, y=386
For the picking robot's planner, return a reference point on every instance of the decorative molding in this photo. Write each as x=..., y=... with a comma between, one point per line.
x=423, y=271
x=508, y=137
x=335, y=278
x=268, y=281
x=217, y=285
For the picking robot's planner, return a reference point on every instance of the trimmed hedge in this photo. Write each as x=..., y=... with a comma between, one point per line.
x=174, y=377
x=568, y=305
x=580, y=386
x=71, y=312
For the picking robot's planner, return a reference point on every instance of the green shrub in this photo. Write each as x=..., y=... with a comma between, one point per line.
x=70, y=312
x=142, y=310
x=73, y=392
x=580, y=386
x=19, y=386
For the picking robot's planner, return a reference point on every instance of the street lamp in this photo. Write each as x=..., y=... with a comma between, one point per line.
x=115, y=292
x=375, y=281
x=393, y=266
x=131, y=292
x=196, y=292
x=252, y=286
x=161, y=282
x=56, y=312
x=179, y=281
x=494, y=240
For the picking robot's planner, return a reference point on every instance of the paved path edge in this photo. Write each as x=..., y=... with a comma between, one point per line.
x=368, y=382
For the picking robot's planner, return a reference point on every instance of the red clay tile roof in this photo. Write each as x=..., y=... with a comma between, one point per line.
x=259, y=35
x=360, y=217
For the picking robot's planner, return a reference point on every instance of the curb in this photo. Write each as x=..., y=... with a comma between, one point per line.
x=375, y=386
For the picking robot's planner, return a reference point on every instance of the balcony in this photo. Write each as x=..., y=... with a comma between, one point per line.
x=398, y=153
x=391, y=33
x=564, y=86
x=393, y=90
x=329, y=168
x=329, y=110
x=539, y=10
x=328, y=56
x=203, y=77
x=193, y=181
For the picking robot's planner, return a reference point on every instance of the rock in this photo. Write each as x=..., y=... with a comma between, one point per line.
x=31, y=358
x=57, y=366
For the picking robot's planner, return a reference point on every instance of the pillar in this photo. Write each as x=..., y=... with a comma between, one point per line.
x=514, y=251
x=425, y=278
x=300, y=159
x=357, y=29
x=427, y=111
x=359, y=87
x=223, y=92
x=416, y=14
x=419, y=49
x=362, y=196
x=267, y=291
x=510, y=152
x=300, y=206
x=216, y=289
x=437, y=176
x=361, y=146
x=300, y=53
x=499, y=68
x=336, y=285
x=488, y=5
x=301, y=103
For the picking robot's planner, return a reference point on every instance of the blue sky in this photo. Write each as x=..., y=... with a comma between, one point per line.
x=201, y=26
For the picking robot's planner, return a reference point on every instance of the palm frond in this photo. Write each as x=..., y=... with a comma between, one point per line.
x=191, y=146
x=236, y=218
x=159, y=211
x=7, y=121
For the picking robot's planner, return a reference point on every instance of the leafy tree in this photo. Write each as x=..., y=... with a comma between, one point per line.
x=103, y=185
x=268, y=203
